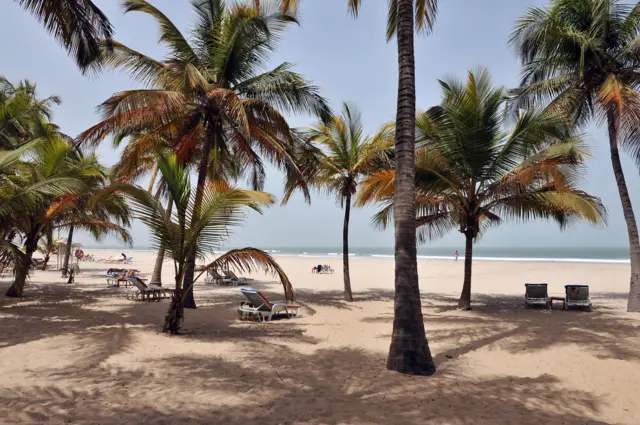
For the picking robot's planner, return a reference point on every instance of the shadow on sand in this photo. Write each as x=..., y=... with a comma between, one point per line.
x=276, y=384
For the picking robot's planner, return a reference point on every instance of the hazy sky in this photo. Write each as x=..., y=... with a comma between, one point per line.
x=350, y=60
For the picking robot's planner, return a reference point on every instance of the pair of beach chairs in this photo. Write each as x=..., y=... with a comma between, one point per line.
x=259, y=307
x=576, y=296
x=140, y=291
x=227, y=278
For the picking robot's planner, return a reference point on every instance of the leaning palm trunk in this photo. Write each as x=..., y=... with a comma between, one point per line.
x=22, y=269
x=67, y=253
x=465, y=298
x=190, y=267
x=156, y=277
x=409, y=351
x=627, y=209
x=348, y=296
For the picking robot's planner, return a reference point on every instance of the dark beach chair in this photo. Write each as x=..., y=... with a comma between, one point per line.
x=144, y=292
x=213, y=277
x=536, y=295
x=235, y=279
x=577, y=296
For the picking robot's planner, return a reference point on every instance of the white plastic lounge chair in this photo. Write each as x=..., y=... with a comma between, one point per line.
x=536, y=295
x=260, y=307
x=577, y=296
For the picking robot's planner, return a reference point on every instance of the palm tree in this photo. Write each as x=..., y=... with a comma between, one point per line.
x=583, y=57
x=211, y=95
x=409, y=350
x=200, y=231
x=79, y=25
x=48, y=247
x=23, y=115
x=40, y=195
x=341, y=154
x=471, y=174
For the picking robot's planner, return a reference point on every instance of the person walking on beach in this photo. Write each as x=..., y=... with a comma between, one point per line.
x=455, y=255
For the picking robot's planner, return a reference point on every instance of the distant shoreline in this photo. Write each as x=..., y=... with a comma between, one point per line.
x=479, y=257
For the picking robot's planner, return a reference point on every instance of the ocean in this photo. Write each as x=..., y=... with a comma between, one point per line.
x=521, y=254
x=530, y=254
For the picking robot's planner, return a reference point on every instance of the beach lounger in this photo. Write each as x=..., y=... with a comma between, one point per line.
x=260, y=307
x=235, y=280
x=144, y=292
x=128, y=260
x=577, y=296
x=213, y=277
x=536, y=295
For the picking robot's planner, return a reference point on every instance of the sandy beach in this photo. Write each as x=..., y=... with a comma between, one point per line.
x=83, y=353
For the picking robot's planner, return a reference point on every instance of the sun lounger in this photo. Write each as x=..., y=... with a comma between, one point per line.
x=577, y=296
x=144, y=292
x=235, y=280
x=128, y=260
x=536, y=295
x=213, y=277
x=259, y=306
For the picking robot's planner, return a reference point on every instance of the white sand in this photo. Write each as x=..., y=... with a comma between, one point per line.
x=82, y=353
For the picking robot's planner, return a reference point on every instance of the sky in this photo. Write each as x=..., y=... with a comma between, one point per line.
x=349, y=60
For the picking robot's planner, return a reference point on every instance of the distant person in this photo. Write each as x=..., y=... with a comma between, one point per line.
x=124, y=256
x=319, y=268
x=456, y=255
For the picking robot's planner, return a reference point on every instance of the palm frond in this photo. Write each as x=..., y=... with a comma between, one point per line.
x=79, y=25
x=249, y=260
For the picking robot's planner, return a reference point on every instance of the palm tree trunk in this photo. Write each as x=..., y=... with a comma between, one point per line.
x=156, y=277
x=22, y=269
x=190, y=266
x=67, y=253
x=409, y=350
x=465, y=298
x=633, y=303
x=348, y=296
x=152, y=180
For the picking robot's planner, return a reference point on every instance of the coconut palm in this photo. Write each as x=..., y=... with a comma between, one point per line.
x=409, y=350
x=79, y=25
x=473, y=174
x=41, y=194
x=341, y=154
x=583, y=56
x=23, y=115
x=211, y=95
x=199, y=231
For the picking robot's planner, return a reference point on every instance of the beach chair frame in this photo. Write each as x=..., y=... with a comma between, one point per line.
x=534, y=295
x=577, y=296
x=260, y=307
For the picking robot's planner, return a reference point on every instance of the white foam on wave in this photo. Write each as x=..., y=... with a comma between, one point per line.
x=530, y=260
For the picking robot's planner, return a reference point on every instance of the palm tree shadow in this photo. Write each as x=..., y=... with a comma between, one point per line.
x=288, y=387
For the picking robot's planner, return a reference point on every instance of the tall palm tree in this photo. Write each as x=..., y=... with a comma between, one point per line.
x=472, y=174
x=41, y=194
x=409, y=350
x=79, y=25
x=583, y=56
x=214, y=100
x=342, y=154
x=198, y=231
